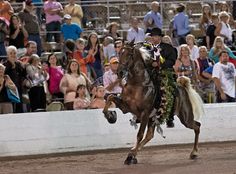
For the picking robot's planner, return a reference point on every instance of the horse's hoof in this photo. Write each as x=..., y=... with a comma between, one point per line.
x=193, y=155
x=130, y=160
x=134, y=161
x=111, y=116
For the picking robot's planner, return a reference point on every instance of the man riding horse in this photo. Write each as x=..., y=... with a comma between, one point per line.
x=164, y=57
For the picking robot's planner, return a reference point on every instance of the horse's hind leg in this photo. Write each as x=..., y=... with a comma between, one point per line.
x=194, y=152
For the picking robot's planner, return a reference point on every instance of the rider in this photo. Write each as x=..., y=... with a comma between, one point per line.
x=164, y=57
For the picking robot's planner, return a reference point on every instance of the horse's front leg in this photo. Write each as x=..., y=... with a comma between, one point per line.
x=131, y=158
x=111, y=116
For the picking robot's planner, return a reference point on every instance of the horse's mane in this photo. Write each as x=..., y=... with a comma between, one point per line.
x=145, y=54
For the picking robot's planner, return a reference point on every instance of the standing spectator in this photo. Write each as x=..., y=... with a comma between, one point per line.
x=53, y=11
x=70, y=30
x=210, y=33
x=181, y=24
x=75, y=11
x=93, y=44
x=38, y=76
x=5, y=82
x=205, y=21
x=118, y=45
x=70, y=81
x=113, y=30
x=31, y=48
x=219, y=46
x=223, y=28
x=135, y=32
x=16, y=72
x=55, y=75
x=85, y=58
x=110, y=78
x=81, y=101
x=30, y=20
x=38, y=5
x=153, y=18
x=190, y=40
x=6, y=10
x=108, y=48
x=18, y=33
x=3, y=34
x=224, y=78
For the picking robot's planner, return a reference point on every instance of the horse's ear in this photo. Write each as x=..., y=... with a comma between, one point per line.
x=132, y=43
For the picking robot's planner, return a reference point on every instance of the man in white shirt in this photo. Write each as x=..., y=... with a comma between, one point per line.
x=135, y=33
x=110, y=78
x=224, y=78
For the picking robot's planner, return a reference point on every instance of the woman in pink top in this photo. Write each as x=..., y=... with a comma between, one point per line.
x=55, y=75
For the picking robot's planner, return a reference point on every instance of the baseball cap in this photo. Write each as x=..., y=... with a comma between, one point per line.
x=114, y=60
x=67, y=16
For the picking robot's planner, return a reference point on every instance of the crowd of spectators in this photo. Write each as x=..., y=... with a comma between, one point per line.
x=86, y=73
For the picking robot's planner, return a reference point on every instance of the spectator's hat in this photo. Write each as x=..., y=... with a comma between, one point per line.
x=156, y=32
x=114, y=60
x=28, y=2
x=67, y=16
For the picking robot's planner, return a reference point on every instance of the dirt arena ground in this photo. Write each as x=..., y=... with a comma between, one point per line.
x=215, y=158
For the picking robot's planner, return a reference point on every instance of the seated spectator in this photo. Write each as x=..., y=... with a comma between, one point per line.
x=18, y=33
x=37, y=75
x=224, y=78
x=5, y=82
x=190, y=40
x=219, y=46
x=81, y=101
x=223, y=29
x=118, y=45
x=69, y=50
x=99, y=102
x=70, y=81
x=205, y=84
x=70, y=30
x=135, y=32
x=110, y=78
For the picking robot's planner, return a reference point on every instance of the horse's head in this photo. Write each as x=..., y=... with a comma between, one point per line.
x=126, y=59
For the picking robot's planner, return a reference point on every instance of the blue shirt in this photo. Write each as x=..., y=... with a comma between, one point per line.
x=181, y=23
x=155, y=17
x=71, y=31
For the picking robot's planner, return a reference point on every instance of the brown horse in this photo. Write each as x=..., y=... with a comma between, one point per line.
x=139, y=94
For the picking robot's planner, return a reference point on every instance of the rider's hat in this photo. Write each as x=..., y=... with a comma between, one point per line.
x=156, y=32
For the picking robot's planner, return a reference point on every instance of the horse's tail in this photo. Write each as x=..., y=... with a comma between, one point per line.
x=194, y=97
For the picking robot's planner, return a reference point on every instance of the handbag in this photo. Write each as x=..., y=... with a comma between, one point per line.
x=13, y=95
